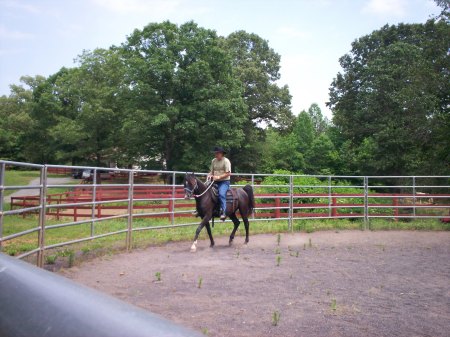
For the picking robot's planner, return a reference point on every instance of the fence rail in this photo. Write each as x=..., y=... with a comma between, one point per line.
x=35, y=302
x=130, y=194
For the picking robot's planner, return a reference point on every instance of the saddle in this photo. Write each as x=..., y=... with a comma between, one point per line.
x=231, y=201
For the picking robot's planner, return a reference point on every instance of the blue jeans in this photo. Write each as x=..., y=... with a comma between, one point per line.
x=224, y=186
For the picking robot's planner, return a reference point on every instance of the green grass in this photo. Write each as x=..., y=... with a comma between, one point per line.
x=19, y=178
x=144, y=238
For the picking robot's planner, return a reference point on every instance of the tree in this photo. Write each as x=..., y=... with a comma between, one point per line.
x=393, y=95
x=15, y=119
x=303, y=130
x=281, y=152
x=322, y=157
x=320, y=123
x=183, y=97
x=90, y=115
x=43, y=108
x=257, y=67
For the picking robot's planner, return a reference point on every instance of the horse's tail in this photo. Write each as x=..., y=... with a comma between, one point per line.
x=251, y=198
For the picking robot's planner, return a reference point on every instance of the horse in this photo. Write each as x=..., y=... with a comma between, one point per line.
x=206, y=202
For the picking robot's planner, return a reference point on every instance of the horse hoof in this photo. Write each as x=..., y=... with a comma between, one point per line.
x=211, y=246
x=193, y=250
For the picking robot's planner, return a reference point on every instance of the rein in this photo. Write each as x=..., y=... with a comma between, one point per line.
x=196, y=187
x=207, y=189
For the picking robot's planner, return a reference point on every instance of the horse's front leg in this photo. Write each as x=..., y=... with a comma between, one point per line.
x=202, y=224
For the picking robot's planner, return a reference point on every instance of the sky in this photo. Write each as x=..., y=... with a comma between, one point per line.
x=38, y=37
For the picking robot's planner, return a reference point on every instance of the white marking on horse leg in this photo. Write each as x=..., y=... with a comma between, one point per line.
x=194, y=246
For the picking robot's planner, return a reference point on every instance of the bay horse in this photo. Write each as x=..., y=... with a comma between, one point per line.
x=206, y=202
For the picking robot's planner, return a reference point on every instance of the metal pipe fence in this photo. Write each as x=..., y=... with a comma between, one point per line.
x=127, y=195
x=36, y=302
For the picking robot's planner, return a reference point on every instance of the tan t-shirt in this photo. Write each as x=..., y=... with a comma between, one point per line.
x=219, y=167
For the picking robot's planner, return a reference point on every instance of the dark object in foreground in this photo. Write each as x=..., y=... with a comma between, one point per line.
x=35, y=302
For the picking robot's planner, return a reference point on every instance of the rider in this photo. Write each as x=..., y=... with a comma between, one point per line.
x=220, y=173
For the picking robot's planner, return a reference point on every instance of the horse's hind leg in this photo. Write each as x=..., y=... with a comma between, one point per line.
x=208, y=229
x=236, y=223
x=247, y=225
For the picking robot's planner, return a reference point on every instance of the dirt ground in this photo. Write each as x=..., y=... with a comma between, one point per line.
x=348, y=283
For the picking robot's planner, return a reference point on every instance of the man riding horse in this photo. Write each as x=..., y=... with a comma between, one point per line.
x=220, y=173
x=240, y=199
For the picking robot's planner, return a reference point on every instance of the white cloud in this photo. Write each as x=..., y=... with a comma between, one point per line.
x=293, y=33
x=7, y=34
x=395, y=8
x=307, y=79
x=138, y=6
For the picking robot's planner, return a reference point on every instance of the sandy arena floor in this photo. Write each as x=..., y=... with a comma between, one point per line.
x=348, y=283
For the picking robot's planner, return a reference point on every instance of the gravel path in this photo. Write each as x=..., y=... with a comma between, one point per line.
x=35, y=191
x=349, y=283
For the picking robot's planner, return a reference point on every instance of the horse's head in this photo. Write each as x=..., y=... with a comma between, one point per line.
x=190, y=185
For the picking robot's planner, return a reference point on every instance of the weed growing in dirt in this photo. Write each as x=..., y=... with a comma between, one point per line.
x=85, y=250
x=296, y=253
x=71, y=258
x=310, y=243
x=278, y=260
x=237, y=254
x=50, y=259
x=275, y=318
x=278, y=239
x=277, y=251
x=158, y=276
x=333, y=304
x=200, y=281
x=205, y=331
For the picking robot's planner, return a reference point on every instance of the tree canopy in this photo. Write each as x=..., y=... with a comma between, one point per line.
x=169, y=93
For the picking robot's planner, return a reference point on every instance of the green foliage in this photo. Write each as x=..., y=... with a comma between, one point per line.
x=170, y=92
x=184, y=93
x=391, y=101
x=50, y=259
x=257, y=66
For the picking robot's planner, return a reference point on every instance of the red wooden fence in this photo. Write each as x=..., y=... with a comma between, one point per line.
x=275, y=204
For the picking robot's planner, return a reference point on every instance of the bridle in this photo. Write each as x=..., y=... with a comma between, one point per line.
x=190, y=192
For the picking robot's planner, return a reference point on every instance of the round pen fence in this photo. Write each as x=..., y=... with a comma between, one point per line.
x=104, y=194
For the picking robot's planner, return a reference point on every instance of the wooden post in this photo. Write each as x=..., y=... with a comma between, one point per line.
x=58, y=209
x=395, y=206
x=334, y=209
x=170, y=209
x=277, y=209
